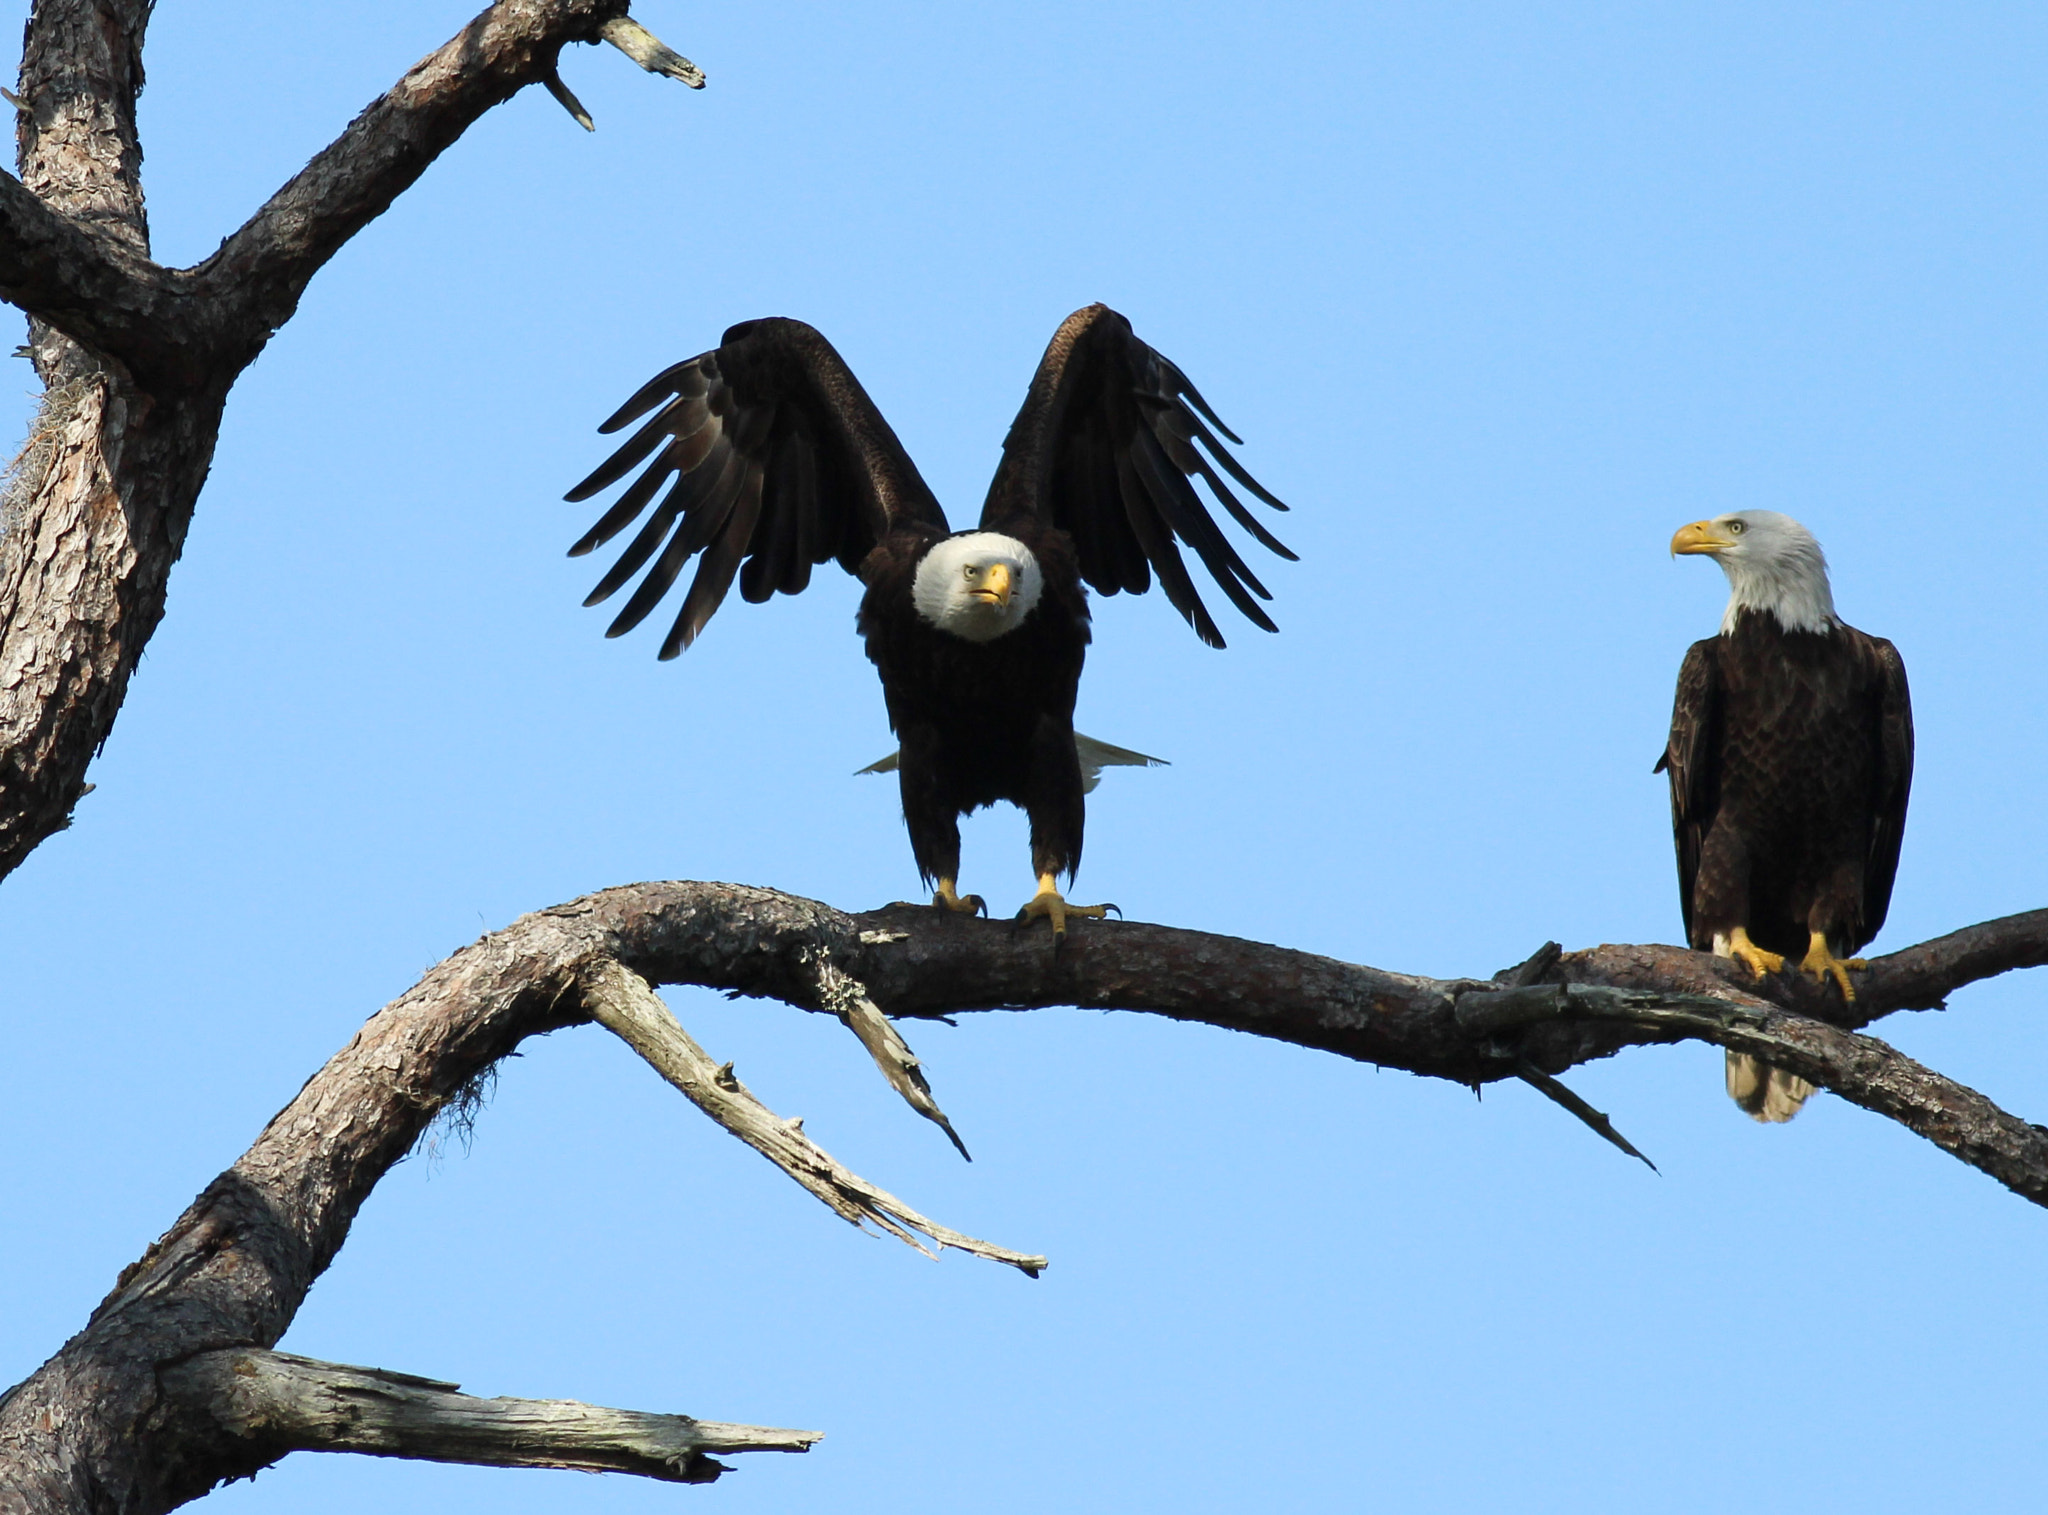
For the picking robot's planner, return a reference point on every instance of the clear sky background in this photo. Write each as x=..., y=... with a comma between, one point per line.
x=1499, y=295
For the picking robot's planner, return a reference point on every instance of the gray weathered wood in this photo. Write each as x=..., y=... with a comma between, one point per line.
x=650, y=52
x=280, y=1403
x=847, y=998
x=621, y=1001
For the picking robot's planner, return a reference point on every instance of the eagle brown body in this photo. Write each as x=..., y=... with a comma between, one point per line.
x=1791, y=761
x=1791, y=754
x=773, y=456
x=979, y=722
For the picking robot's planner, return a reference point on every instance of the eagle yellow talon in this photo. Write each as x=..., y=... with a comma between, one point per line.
x=1048, y=903
x=1824, y=965
x=961, y=904
x=1750, y=955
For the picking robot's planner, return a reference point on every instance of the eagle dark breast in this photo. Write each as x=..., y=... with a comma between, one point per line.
x=1791, y=760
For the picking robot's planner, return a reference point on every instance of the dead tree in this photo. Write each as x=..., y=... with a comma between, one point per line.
x=137, y=359
x=172, y=1386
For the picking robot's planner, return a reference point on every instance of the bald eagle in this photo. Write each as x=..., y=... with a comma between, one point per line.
x=1790, y=757
x=778, y=457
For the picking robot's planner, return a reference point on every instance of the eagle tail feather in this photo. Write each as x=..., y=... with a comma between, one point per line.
x=1765, y=1093
x=1094, y=755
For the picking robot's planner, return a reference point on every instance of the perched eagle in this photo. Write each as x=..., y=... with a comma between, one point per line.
x=1791, y=755
x=779, y=458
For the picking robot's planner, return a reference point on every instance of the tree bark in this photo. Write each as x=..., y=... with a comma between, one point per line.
x=94, y=1430
x=137, y=360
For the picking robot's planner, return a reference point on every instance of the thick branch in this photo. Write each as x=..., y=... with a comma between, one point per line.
x=83, y=1433
x=88, y=286
x=278, y=1403
x=1922, y=977
x=265, y=266
x=93, y=281
x=138, y=359
x=1913, y=978
x=1861, y=1069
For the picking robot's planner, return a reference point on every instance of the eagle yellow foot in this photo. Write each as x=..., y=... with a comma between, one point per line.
x=960, y=904
x=1824, y=965
x=1048, y=903
x=1751, y=956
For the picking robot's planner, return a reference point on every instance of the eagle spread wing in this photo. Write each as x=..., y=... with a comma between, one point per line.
x=1105, y=449
x=1695, y=781
x=777, y=456
x=1894, y=783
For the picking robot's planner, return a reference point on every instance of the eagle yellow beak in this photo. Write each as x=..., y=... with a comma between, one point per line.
x=995, y=585
x=1700, y=536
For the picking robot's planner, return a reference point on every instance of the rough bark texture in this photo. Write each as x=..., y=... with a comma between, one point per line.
x=137, y=360
x=92, y=1429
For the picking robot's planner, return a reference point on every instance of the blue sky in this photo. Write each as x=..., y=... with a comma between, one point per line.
x=1498, y=295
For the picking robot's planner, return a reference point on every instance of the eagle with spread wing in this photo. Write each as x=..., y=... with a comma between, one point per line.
x=769, y=458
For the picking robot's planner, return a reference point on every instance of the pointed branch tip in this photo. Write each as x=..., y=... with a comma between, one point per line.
x=1555, y=1090
x=650, y=52
x=846, y=998
x=566, y=98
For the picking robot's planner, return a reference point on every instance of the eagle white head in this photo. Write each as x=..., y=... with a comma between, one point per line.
x=977, y=585
x=1773, y=564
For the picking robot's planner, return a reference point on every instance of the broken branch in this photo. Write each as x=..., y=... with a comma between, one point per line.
x=621, y=1001
x=284, y=1403
x=649, y=51
x=843, y=995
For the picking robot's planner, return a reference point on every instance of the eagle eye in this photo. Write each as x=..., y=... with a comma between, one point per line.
x=1735, y=528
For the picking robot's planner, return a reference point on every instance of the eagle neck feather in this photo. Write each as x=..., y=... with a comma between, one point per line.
x=1792, y=588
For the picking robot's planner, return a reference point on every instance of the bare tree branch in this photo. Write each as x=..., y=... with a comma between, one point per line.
x=280, y=1403
x=262, y=269
x=847, y=998
x=87, y=285
x=1922, y=977
x=650, y=52
x=1558, y=1093
x=621, y=1001
x=85, y=1432
x=138, y=360
x=1861, y=1069
x=93, y=280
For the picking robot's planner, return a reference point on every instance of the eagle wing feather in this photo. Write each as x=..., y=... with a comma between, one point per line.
x=770, y=451
x=1106, y=445
x=1894, y=784
x=1689, y=760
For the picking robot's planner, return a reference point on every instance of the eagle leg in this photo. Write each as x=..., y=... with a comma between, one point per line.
x=1750, y=955
x=1048, y=903
x=1824, y=965
x=948, y=898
